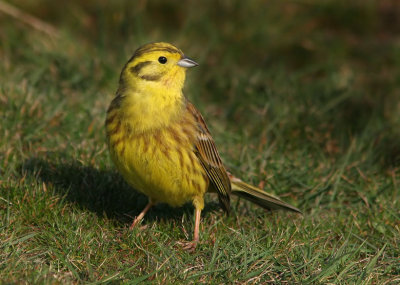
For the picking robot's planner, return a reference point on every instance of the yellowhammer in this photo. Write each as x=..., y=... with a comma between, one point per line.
x=160, y=142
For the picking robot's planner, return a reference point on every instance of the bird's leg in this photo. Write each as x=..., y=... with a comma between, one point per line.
x=141, y=215
x=191, y=246
x=196, y=226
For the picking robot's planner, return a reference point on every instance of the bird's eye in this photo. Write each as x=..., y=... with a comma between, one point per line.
x=162, y=59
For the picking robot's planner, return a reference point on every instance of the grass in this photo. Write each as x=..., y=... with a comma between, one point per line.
x=302, y=99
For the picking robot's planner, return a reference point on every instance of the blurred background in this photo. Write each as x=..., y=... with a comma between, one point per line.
x=301, y=96
x=307, y=76
x=295, y=92
x=325, y=71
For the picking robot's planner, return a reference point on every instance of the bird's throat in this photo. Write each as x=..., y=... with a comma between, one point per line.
x=148, y=111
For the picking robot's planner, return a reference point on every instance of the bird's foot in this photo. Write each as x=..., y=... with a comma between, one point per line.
x=189, y=246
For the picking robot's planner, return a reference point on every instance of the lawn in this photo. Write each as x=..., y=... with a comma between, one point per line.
x=302, y=98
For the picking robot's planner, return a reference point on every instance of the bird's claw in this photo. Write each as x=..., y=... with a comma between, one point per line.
x=189, y=246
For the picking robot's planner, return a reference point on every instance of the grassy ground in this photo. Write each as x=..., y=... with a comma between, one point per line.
x=302, y=98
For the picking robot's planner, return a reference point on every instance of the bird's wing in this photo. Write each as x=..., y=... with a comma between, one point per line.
x=209, y=157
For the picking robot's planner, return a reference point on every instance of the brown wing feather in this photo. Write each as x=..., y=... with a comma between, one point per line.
x=209, y=157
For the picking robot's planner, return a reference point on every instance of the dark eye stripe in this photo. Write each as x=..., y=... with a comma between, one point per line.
x=136, y=69
x=154, y=77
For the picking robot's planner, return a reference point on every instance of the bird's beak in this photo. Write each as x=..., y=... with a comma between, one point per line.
x=187, y=62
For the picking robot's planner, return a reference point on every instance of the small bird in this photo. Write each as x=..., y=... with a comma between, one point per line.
x=160, y=143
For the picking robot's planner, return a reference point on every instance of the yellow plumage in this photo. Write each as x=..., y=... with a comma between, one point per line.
x=160, y=143
x=153, y=161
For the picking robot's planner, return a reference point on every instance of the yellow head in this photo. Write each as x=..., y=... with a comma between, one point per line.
x=154, y=66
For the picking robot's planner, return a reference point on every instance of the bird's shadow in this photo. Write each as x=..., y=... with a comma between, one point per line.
x=102, y=191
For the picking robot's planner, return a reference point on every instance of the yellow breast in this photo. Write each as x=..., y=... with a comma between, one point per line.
x=160, y=163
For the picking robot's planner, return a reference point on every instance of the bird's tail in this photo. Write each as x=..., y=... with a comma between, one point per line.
x=258, y=196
